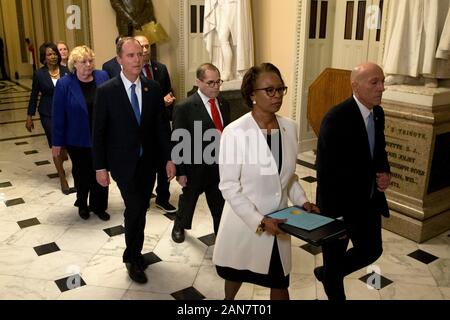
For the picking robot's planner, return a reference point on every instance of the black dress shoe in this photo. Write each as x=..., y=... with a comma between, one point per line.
x=69, y=190
x=177, y=234
x=103, y=215
x=84, y=213
x=136, y=273
x=318, y=273
x=144, y=263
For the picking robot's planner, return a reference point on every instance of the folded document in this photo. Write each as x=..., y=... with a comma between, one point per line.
x=300, y=218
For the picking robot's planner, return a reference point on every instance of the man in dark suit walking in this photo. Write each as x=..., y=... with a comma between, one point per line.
x=352, y=174
x=130, y=139
x=203, y=112
x=158, y=72
x=112, y=67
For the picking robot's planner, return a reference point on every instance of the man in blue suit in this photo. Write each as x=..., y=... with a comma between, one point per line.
x=352, y=175
x=130, y=139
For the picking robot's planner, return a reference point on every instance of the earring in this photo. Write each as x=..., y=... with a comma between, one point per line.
x=253, y=101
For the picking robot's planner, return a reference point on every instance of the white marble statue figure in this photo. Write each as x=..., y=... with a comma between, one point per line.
x=415, y=31
x=228, y=36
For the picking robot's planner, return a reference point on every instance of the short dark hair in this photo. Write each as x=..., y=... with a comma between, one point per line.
x=200, y=73
x=121, y=42
x=249, y=80
x=43, y=51
x=118, y=38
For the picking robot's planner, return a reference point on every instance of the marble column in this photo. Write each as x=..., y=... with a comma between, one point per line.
x=418, y=144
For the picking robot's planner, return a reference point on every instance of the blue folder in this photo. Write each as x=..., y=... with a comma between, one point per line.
x=313, y=228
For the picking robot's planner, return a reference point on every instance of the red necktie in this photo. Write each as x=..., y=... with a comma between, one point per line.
x=215, y=115
x=147, y=71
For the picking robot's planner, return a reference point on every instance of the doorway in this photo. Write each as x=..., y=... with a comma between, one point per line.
x=331, y=33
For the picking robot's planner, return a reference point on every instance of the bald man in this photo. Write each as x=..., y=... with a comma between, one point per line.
x=352, y=174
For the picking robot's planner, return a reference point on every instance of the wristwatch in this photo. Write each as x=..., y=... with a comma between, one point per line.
x=261, y=227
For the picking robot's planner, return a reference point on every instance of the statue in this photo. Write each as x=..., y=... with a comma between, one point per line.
x=415, y=32
x=225, y=18
x=132, y=15
x=443, y=51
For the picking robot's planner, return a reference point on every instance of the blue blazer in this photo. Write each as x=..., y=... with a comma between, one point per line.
x=42, y=83
x=70, y=117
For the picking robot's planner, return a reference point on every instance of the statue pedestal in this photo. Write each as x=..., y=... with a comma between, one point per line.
x=417, y=133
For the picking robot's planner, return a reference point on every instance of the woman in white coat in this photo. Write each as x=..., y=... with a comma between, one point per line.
x=258, y=154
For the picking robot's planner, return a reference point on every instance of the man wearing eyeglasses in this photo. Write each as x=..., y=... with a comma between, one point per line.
x=205, y=110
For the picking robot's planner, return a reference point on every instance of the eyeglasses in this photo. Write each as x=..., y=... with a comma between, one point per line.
x=212, y=84
x=270, y=91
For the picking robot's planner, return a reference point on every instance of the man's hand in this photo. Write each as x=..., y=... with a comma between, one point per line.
x=29, y=124
x=383, y=181
x=311, y=207
x=182, y=181
x=102, y=177
x=169, y=99
x=171, y=170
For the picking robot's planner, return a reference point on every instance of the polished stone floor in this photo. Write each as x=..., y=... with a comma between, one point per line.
x=48, y=252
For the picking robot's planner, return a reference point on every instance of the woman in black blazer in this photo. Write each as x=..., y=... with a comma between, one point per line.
x=44, y=81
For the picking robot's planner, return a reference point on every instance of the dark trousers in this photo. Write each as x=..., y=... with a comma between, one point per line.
x=85, y=181
x=162, y=187
x=338, y=262
x=188, y=200
x=46, y=122
x=136, y=194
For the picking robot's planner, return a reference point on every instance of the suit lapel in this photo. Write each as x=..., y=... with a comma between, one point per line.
x=47, y=78
x=128, y=108
x=284, y=149
x=360, y=126
x=155, y=71
x=145, y=88
x=225, y=114
x=202, y=112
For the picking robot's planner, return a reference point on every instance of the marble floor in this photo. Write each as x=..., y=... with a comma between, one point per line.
x=47, y=252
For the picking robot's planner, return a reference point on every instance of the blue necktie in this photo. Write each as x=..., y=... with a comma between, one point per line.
x=137, y=112
x=371, y=132
x=135, y=103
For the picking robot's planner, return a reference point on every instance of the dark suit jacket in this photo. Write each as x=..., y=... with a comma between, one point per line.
x=42, y=83
x=345, y=168
x=161, y=75
x=112, y=67
x=185, y=114
x=117, y=136
x=70, y=118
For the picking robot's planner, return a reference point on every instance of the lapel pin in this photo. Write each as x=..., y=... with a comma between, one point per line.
x=145, y=89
